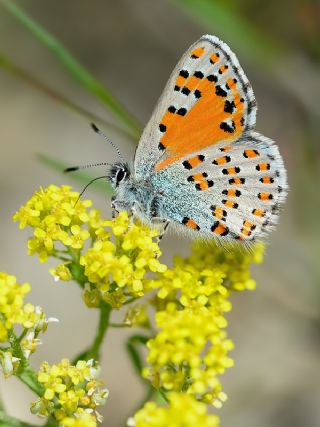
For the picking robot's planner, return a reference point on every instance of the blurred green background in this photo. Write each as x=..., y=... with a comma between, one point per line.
x=131, y=47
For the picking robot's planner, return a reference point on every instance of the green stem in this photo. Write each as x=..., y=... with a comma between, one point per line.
x=119, y=325
x=8, y=421
x=130, y=300
x=105, y=311
x=76, y=269
x=51, y=422
x=74, y=68
x=93, y=352
x=2, y=407
x=163, y=395
x=25, y=372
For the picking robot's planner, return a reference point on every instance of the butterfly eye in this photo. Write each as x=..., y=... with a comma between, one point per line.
x=121, y=174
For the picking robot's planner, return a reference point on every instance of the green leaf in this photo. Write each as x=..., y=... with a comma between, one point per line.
x=81, y=177
x=75, y=69
x=26, y=77
x=133, y=344
x=9, y=421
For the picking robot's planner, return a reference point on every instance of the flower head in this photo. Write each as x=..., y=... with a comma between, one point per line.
x=118, y=262
x=113, y=267
x=70, y=392
x=13, y=311
x=56, y=216
x=191, y=349
x=84, y=419
x=182, y=411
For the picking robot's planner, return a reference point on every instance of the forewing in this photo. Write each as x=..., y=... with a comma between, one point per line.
x=232, y=192
x=208, y=99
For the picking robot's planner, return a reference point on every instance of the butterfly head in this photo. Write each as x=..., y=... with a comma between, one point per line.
x=118, y=174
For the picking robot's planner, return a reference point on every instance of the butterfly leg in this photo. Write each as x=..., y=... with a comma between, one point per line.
x=114, y=211
x=132, y=214
x=163, y=228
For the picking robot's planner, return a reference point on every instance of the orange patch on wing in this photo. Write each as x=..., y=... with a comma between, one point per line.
x=180, y=81
x=201, y=182
x=258, y=212
x=220, y=229
x=228, y=148
x=266, y=180
x=219, y=213
x=251, y=153
x=230, y=204
x=236, y=181
x=191, y=224
x=263, y=166
x=192, y=162
x=246, y=232
x=221, y=160
x=248, y=224
x=214, y=57
x=238, y=116
x=233, y=193
x=223, y=68
x=232, y=171
x=265, y=196
x=191, y=83
x=200, y=126
x=198, y=177
x=197, y=53
x=170, y=120
x=203, y=185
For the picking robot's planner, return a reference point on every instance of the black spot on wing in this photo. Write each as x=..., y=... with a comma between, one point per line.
x=220, y=91
x=182, y=111
x=229, y=106
x=227, y=128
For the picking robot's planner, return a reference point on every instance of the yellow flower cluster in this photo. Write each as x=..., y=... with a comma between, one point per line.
x=83, y=420
x=56, y=216
x=118, y=268
x=13, y=312
x=137, y=316
x=182, y=411
x=191, y=348
x=72, y=393
x=113, y=268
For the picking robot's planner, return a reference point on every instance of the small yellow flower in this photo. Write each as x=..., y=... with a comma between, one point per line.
x=70, y=390
x=191, y=349
x=14, y=312
x=182, y=411
x=120, y=259
x=61, y=272
x=8, y=363
x=56, y=215
x=84, y=419
x=137, y=316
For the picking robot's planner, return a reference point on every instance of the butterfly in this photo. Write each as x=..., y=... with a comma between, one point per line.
x=200, y=166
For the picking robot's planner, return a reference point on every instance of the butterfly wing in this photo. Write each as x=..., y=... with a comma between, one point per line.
x=230, y=191
x=215, y=174
x=208, y=99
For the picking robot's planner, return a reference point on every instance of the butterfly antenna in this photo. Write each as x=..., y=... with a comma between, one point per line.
x=92, y=165
x=104, y=136
x=91, y=182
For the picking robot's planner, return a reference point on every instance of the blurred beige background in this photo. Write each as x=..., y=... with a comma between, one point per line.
x=132, y=47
